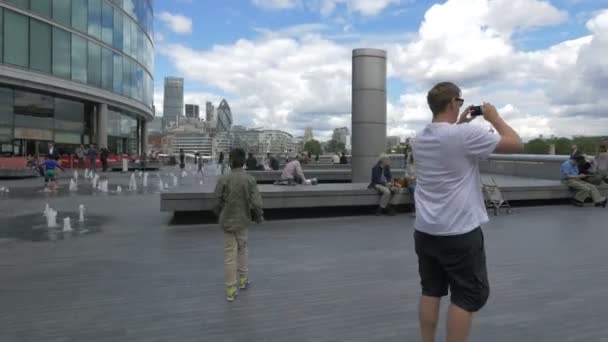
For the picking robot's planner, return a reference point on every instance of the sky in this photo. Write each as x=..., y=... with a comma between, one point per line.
x=286, y=64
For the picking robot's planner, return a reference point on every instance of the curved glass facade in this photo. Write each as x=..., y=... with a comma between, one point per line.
x=101, y=43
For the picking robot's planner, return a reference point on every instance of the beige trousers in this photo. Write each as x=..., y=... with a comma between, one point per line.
x=584, y=190
x=387, y=194
x=235, y=257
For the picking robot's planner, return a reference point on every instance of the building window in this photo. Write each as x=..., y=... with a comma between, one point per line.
x=79, y=59
x=95, y=18
x=94, y=65
x=117, y=32
x=42, y=7
x=69, y=115
x=126, y=35
x=33, y=110
x=118, y=71
x=107, y=23
x=40, y=46
x=6, y=106
x=79, y=15
x=107, y=69
x=16, y=47
x=20, y=3
x=62, y=11
x=61, y=53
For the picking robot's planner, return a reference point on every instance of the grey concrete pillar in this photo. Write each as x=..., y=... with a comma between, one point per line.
x=368, y=111
x=102, y=125
x=144, y=137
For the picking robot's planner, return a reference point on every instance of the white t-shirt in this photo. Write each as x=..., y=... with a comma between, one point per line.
x=448, y=185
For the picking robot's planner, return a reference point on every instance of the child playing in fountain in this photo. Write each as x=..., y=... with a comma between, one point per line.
x=238, y=202
x=50, y=172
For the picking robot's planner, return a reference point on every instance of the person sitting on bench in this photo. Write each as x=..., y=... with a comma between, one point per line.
x=293, y=171
x=382, y=181
x=575, y=181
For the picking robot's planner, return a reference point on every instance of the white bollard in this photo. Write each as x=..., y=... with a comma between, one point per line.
x=67, y=226
x=175, y=181
x=76, y=174
x=132, y=183
x=73, y=185
x=51, y=219
x=95, y=181
x=145, y=182
x=86, y=173
x=103, y=186
x=161, y=186
x=118, y=189
x=47, y=208
x=81, y=209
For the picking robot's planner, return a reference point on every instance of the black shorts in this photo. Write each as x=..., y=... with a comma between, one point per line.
x=457, y=262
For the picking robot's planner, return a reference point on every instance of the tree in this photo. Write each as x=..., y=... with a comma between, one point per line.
x=334, y=146
x=537, y=146
x=313, y=146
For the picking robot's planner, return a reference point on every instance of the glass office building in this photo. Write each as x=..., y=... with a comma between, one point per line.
x=75, y=72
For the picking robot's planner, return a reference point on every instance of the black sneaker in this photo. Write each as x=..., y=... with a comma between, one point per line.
x=578, y=203
x=379, y=211
x=390, y=211
x=602, y=204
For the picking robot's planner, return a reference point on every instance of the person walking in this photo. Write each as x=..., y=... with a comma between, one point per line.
x=450, y=209
x=220, y=162
x=50, y=172
x=103, y=156
x=92, y=157
x=80, y=154
x=238, y=201
x=182, y=159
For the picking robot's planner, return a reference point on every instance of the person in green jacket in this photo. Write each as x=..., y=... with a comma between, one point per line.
x=238, y=203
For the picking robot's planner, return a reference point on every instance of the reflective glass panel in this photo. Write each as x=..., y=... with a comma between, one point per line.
x=40, y=46
x=94, y=16
x=107, y=23
x=16, y=47
x=80, y=15
x=62, y=11
x=61, y=52
x=107, y=69
x=94, y=65
x=79, y=59
x=42, y=7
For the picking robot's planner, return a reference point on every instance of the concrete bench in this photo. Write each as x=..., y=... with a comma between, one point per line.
x=327, y=175
x=276, y=196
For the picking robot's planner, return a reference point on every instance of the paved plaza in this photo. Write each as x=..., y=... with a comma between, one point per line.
x=139, y=278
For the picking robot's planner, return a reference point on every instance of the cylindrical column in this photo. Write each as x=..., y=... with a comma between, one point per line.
x=102, y=125
x=144, y=137
x=368, y=111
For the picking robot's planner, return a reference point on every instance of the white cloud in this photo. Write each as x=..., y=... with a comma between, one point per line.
x=327, y=7
x=298, y=77
x=176, y=22
x=276, y=4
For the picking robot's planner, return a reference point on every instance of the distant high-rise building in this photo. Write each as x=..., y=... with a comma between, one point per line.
x=341, y=135
x=192, y=111
x=224, y=117
x=209, y=111
x=173, y=105
x=308, y=136
x=392, y=141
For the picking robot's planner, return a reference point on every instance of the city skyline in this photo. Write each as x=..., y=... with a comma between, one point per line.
x=286, y=64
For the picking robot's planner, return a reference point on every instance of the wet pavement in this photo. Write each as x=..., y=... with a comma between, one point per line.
x=329, y=279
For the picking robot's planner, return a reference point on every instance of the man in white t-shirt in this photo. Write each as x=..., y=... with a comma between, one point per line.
x=450, y=208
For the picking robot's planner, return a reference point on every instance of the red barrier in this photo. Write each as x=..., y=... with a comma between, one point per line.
x=13, y=163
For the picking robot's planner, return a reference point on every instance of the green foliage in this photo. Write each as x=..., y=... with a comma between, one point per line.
x=537, y=146
x=334, y=146
x=313, y=146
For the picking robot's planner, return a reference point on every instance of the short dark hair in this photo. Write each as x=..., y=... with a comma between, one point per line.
x=237, y=158
x=440, y=96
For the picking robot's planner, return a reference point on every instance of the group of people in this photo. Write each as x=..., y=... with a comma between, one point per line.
x=583, y=176
x=448, y=238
